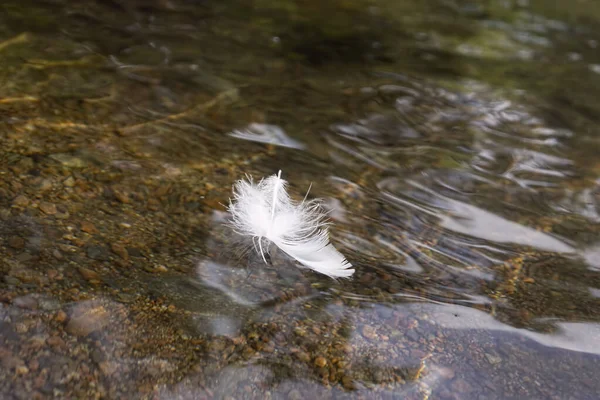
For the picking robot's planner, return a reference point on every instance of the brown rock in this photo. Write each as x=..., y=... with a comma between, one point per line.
x=60, y=316
x=20, y=201
x=56, y=341
x=120, y=250
x=48, y=208
x=27, y=301
x=348, y=383
x=88, y=227
x=86, y=319
x=16, y=242
x=22, y=370
x=320, y=361
x=89, y=275
x=302, y=356
x=369, y=332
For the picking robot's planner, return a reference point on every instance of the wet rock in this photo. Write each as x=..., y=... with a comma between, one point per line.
x=48, y=208
x=11, y=280
x=120, y=250
x=459, y=385
x=69, y=182
x=99, y=253
x=88, y=227
x=48, y=304
x=492, y=359
x=369, y=332
x=348, y=383
x=56, y=341
x=302, y=356
x=320, y=362
x=27, y=301
x=20, y=201
x=60, y=316
x=68, y=160
x=295, y=394
x=87, y=318
x=89, y=275
x=16, y=242
x=98, y=356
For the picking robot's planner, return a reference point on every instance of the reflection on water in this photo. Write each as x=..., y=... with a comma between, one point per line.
x=454, y=144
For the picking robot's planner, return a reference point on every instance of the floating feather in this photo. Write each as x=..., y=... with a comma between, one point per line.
x=265, y=212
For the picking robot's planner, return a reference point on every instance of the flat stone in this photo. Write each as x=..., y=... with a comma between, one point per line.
x=99, y=253
x=20, y=201
x=86, y=319
x=48, y=208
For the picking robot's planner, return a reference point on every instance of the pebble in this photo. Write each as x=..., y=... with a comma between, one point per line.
x=369, y=332
x=20, y=201
x=27, y=301
x=302, y=356
x=56, y=341
x=99, y=253
x=88, y=274
x=119, y=250
x=461, y=386
x=68, y=160
x=69, y=182
x=60, y=316
x=295, y=394
x=87, y=320
x=48, y=208
x=320, y=361
x=88, y=227
x=492, y=359
x=16, y=242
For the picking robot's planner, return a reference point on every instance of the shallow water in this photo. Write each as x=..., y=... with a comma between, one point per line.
x=454, y=144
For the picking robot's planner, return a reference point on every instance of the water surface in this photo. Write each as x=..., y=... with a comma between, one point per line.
x=454, y=143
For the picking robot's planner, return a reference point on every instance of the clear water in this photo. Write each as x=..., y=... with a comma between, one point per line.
x=455, y=144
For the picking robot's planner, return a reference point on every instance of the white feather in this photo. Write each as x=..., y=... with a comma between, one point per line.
x=265, y=211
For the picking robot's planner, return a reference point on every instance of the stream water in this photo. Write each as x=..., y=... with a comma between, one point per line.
x=454, y=143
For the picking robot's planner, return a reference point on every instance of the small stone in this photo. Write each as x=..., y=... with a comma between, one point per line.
x=16, y=242
x=34, y=365
x=88, y=274
x=27, y=301
x=45, y=185
x=461, y=386
x=68, y=160
x=348, y=383
x=60, y=316
x=320, y=361
x=21, y=327
x=20, y=201
x=11, y=280
x=88, y=227
x=123, y=197
x=295, y=394
x=98, y=356
x=69, y=182
x=56, y=341
x=300, y=331
x=22, y=370
x=161, y=268
x=302, y=356
x=369, y=332
x=99, y=253
x=119, y=250
x=48, y=208
x=492, y=359
x=86, y=320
